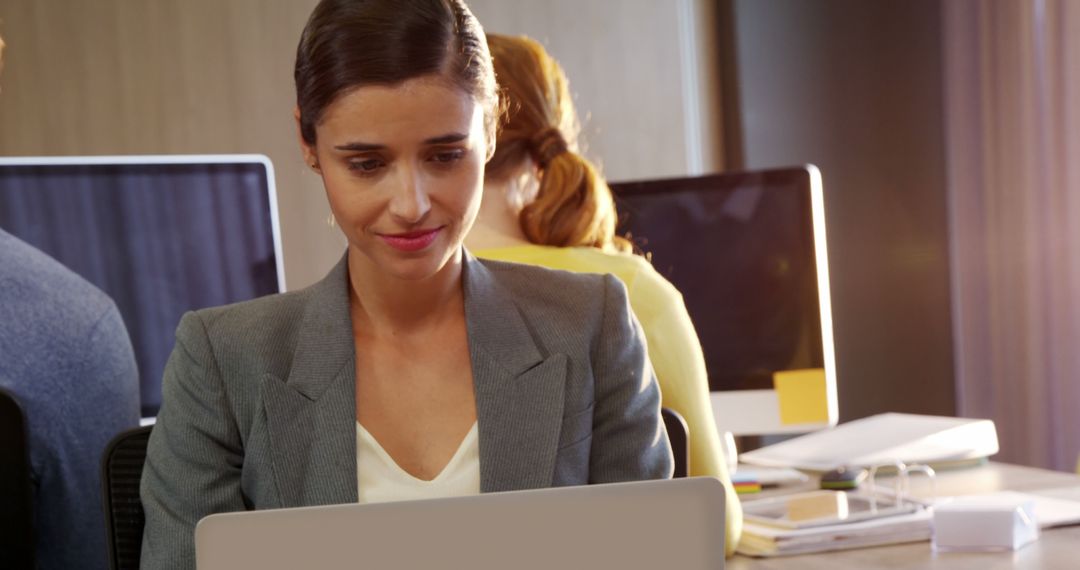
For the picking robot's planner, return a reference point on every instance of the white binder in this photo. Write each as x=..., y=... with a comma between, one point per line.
x=883, y=439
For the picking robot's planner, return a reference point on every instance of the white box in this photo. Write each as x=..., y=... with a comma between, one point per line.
x=984, y=523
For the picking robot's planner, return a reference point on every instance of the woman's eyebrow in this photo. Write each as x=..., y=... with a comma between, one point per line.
x=447, y=139
x=359, y=146
x=364, y=147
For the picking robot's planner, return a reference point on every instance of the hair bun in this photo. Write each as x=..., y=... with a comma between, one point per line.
x=547, y=144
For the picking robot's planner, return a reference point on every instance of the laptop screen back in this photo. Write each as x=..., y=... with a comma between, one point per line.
x=629, y=526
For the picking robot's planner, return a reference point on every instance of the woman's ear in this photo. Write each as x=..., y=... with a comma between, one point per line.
x=525, y=185
x=310, y=157
x=489, y=141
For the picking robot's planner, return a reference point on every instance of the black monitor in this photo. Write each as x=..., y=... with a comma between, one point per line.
x=161, y=235
x=747, y=252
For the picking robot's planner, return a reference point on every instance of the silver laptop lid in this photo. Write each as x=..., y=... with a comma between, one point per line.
x=641, y=525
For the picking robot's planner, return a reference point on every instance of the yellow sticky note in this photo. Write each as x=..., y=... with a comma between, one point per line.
x=802, y=396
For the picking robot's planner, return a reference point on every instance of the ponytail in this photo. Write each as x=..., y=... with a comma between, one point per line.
x=573, y=206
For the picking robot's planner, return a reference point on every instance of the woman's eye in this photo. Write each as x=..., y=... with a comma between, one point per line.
x=366, y=166
x=448, y=156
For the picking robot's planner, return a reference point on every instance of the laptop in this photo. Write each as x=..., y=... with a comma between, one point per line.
x=647, y=525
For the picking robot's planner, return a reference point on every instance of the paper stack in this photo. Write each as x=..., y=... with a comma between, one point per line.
x=761, y=540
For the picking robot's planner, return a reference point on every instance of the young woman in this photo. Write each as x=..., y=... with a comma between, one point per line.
x=412, y=370
x=544, y=204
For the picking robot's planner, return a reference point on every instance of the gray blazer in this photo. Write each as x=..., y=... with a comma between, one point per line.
x=259, y=405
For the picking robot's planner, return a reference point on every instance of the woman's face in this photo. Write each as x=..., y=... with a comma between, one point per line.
x=403, y=168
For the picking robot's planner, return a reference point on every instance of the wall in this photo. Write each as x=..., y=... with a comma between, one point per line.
x=214, y=76
x=643, y=74
x=162, y=77
x=855, y=87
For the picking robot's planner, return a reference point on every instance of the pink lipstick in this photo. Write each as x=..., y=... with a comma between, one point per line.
x=411, y=241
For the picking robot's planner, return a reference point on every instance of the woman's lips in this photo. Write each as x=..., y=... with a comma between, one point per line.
x=411, y=241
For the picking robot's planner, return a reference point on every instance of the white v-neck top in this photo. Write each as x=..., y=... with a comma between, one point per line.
x=380, y=479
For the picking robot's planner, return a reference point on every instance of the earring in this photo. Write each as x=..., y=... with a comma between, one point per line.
x=330, y=220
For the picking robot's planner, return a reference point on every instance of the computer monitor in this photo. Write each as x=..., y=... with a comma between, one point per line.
x=161, y=235
x=747, y=251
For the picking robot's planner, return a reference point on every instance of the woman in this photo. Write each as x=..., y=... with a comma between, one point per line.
x=412, y=370
x=544, y=204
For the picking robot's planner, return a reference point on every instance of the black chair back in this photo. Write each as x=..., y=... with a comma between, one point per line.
x=121, y=470
x=679, y=434
x=16, y=489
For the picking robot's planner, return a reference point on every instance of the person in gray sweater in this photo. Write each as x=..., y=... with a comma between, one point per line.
x=67, y=358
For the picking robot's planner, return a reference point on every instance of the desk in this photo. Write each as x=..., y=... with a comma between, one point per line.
x=1056, y=548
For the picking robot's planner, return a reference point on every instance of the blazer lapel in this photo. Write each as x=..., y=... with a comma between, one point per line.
x=312, y=414
x=519, y=389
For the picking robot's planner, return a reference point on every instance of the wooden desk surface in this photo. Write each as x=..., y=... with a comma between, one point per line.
x=1056, y=548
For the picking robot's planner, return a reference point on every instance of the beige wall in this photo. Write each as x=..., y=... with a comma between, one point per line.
x=163, y=77
x=642, y=72
x=215, y=76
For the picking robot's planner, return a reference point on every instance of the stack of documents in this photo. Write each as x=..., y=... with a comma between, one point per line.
x=883, y=439
x=819, y=521
x=763, y=540
x=772, y=539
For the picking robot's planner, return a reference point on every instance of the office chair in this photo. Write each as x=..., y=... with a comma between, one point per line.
x=16, y=488
x=679, y=435
x=121, y=470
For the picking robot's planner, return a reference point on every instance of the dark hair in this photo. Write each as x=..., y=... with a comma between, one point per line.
x=573, y=205
x=352, y=43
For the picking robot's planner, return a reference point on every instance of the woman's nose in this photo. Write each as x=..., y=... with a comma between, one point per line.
x=410, y=202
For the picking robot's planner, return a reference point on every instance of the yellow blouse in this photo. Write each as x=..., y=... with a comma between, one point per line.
x=673, y=344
